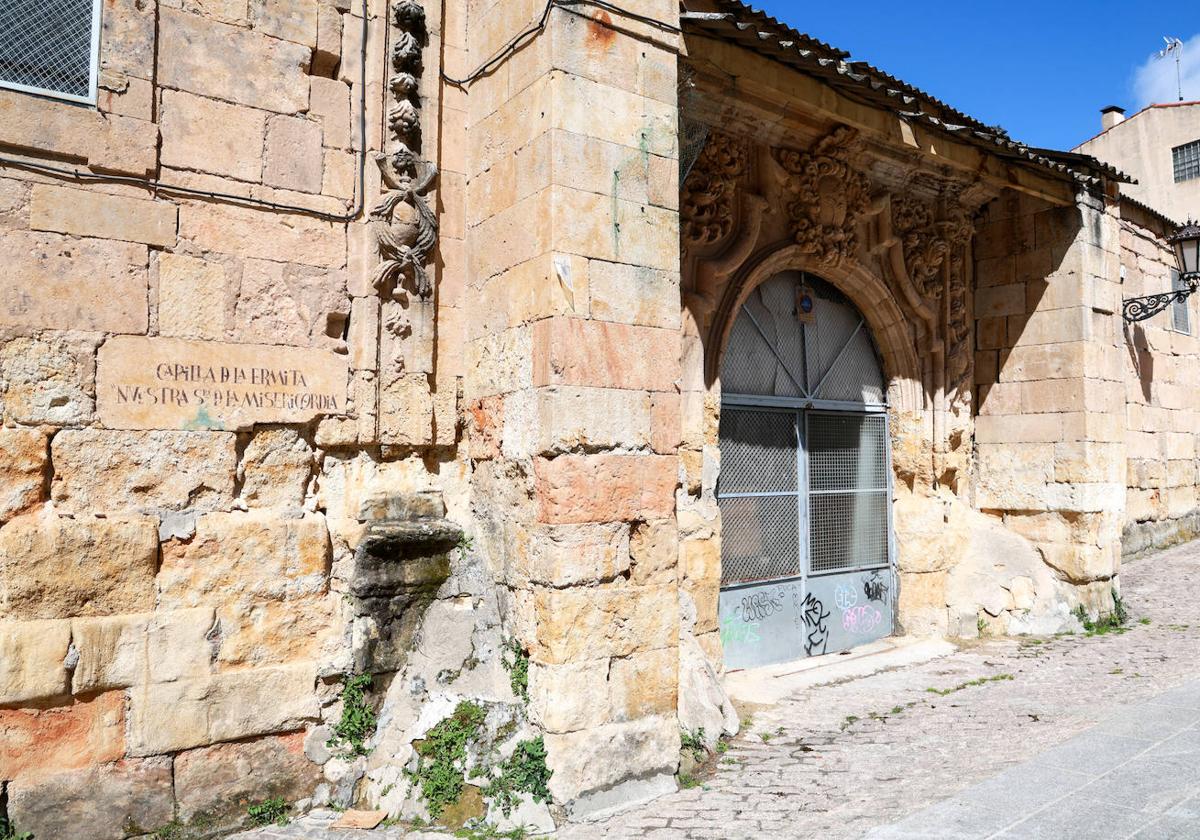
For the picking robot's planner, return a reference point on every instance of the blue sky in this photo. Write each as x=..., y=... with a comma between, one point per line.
x=1041, y=70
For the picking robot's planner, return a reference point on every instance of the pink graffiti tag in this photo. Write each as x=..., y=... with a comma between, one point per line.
x=862, y=619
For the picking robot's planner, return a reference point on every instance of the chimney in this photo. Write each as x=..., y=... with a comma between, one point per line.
x=1110, y=116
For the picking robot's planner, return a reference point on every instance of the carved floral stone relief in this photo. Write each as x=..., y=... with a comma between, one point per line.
x=827, y=196
x=707, y=209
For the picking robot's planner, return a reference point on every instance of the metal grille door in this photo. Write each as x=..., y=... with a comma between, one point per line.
x=805, y=485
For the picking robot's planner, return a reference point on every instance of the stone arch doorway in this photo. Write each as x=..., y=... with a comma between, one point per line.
x=805, y=490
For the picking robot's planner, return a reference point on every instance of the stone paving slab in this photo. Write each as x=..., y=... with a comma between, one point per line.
x=844, y=760
x=1119, y=779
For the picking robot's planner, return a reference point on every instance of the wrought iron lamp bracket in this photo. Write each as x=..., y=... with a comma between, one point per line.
x=1141, y=308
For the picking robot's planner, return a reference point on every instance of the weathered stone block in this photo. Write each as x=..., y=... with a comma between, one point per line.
x=632, y=294
x=105, y=141
x=231, y=63
x=164, y=717
x=215, y=785
x=574, y=624
x=247, y=232
x=49, y=378
x=290, y=304
x=120, y=651
x=568, y=418
x=211, y=136
x=95, y=214
x=22, y=471
x=98, y=470
x=63, y=283
x=329, y=100
x=602, y=488
x=276, y=632
x=191, y=297
x=563, y=555
x=581, y=695
x=36, y=742
x=103, y=802
x=654, y=552
x=255, y=556
x=291, y=20
x=55, y=567
x=329, y=40
x=294, y=155
x=275, y=469
x=573, y=351
x=593, y=759
x=33, y=663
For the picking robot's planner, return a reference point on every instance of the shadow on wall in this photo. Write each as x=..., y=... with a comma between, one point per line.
x=1049, y=458
x=1138, y=346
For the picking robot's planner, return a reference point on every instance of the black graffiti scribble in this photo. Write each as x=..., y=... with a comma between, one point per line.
x=875, y=587
x=759, y=606
x=815, y=616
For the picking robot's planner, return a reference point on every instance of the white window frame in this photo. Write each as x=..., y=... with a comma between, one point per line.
x=1179, y=308
x=1189, y=165
x=93, y=73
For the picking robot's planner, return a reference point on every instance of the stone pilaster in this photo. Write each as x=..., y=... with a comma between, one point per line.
x=1050, y=431
x=572, y=380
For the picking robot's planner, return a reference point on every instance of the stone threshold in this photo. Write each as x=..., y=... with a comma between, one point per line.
x=767, y=685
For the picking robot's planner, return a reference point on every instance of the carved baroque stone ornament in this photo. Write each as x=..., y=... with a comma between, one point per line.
x=706, y=208
x=404, y=224
x=829, y=195
x=927, y=244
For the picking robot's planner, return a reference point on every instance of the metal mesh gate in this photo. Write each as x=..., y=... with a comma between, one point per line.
x=848, y=491
x=49, y=47
x=805, y=488
x=759, y=495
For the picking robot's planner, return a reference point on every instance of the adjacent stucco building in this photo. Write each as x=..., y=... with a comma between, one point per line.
x=539, y=362
x=1160, y=147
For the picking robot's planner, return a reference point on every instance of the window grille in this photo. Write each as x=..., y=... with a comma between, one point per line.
x=1180, y=317
x=50, y=47
x=1186, y=161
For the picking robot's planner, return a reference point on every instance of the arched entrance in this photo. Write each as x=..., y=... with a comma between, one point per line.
x=805, y=485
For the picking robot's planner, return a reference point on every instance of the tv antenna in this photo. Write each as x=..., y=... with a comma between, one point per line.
x=1174, y=47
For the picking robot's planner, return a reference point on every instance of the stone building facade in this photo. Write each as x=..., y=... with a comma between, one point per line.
x=348, y=338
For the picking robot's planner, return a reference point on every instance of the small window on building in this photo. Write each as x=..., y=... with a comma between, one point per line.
x=50, y=47
x=1180, y=317
x=1186, y=161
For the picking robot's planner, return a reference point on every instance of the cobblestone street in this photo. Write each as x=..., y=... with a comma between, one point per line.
x=839, y=760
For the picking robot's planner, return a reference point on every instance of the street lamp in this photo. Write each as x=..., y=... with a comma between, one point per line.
x=1186, y=242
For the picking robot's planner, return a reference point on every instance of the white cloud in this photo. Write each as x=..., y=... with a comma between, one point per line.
x=1155, y=81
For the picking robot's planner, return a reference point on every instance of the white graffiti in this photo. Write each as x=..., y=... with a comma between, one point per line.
x=845, y=597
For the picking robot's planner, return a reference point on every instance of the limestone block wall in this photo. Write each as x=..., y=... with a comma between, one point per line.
x=196, y=429
x=1159, y=363
x=572, y=381
x=1050, y=440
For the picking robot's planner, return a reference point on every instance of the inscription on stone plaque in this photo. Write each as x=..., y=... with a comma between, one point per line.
x=171, y=383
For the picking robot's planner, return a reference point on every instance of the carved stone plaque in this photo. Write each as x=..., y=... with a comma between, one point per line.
x=171, y=383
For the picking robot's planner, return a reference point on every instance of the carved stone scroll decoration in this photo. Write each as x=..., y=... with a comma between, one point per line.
x=707, y=206
x=926, y=243
x=828, y=195
x=404, y=224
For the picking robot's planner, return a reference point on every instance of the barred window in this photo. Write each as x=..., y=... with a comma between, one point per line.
x=1186, y=161
x=1180, y=317
x=50, y=47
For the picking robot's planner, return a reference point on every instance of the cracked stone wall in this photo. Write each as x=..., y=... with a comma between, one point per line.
x=197, y=431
